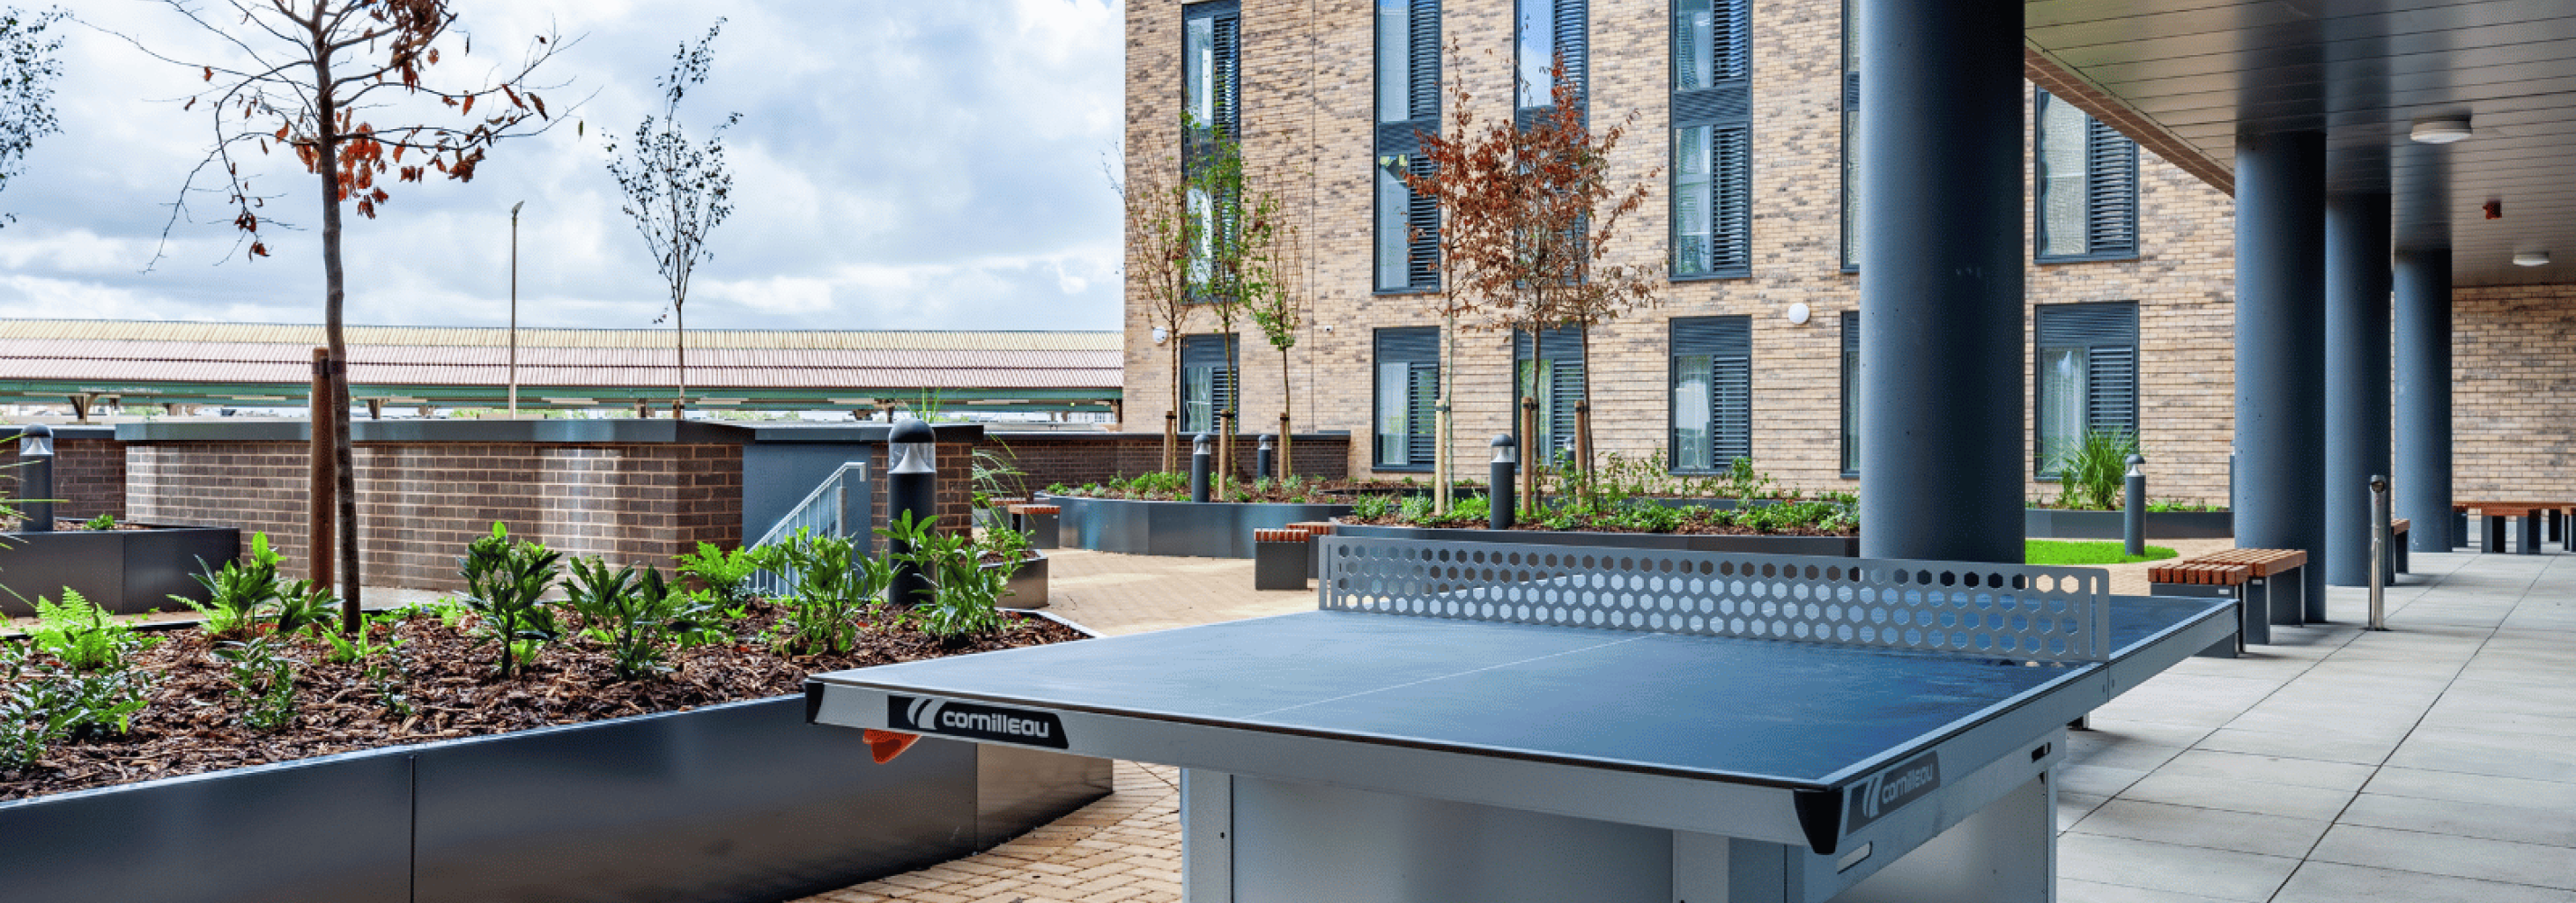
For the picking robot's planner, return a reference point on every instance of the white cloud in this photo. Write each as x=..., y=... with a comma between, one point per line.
x=905, y=163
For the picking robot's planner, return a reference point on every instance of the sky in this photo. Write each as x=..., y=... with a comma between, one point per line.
x=900, y=164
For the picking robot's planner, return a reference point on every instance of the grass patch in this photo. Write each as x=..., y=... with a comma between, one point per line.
x=2057, y=551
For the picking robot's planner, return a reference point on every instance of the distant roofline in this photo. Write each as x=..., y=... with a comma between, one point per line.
x=558, y=336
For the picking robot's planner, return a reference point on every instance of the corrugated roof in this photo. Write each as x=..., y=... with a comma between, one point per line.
x=496, y=337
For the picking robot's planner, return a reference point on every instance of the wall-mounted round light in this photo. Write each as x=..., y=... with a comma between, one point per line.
x=2440, y=129
x=1161, y=335
x=2531, y=258
x=1798, y=314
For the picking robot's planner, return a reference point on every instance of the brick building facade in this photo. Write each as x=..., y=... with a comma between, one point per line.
x=1306, y=110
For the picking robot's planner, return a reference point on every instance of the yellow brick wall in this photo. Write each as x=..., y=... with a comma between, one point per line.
x=2513, y=395
x=1308, y=79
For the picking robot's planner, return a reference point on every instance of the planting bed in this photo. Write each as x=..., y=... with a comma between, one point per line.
x=449, y=683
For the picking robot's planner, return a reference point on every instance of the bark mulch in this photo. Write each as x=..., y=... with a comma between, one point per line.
x=453, y=688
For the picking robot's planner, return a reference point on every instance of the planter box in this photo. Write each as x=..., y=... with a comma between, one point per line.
x=1028, y=585
x=1829, y=546
x=2049, y=523
x=737, y=802
x=1196, y=529
x=126, y=571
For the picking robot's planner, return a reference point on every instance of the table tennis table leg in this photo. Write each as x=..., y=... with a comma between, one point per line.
x=1207, y=836
x=2006, y=852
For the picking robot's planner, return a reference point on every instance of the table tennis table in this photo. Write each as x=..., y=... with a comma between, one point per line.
x=1494, y=723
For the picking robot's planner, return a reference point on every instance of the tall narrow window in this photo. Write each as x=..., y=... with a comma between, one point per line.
x=1712, y=138
x=1851, y=393
x=1552, y=367
x=1712, y=382
x=2088, y=186
x=1543, y=30
x=2087, y=376
x=1207, y=381
x=1408, y=106
x=1851, y=135
x=1211, y=108
x=1408, y=385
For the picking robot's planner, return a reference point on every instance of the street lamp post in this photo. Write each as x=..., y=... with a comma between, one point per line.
x=514, y=308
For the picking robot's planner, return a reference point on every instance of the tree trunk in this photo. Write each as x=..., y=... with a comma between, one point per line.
x=1444, y=451
x=1225, y=415
x=1287, y=407
x=344, y=455
x=1172, y=415
x=680, y=324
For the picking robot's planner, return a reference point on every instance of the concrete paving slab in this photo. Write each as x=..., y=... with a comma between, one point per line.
x=2300, y=746
x=2327, y=882
x=2219, y=829
x=2445, y=854
x=2220, y=874
x=2237, y=795
x=2070, y=890
x=2554, y=827
x=2472, y=788
x=2204, y=763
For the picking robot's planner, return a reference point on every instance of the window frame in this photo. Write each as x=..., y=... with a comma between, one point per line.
x=1231, y=350
x=1377, y=396
x=1379, y=151
x=1672, y=414
x=2040, y=100
x=1847, y=254
x=1723, y=107
x=1848, y=345
x=2038, y=377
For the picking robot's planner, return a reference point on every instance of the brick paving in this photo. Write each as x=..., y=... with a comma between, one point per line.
x=2434, y=763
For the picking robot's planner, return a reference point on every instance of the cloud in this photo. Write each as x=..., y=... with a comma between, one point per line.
x=918, y=164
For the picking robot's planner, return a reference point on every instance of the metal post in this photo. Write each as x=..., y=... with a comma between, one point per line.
x=912, y=487
x=1506, y=464
x=2280, y=352
x=2133, y=513
x=1265, y=460
x=2423, y=430
x=1199, y=462
x=2378, y=552
x=2357, y=375
x=514, y=308
x=1942, y=375
x=36, y=478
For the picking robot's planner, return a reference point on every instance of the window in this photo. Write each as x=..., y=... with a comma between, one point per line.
x=1556, y=364
x=2087, y=364
x=1851, y=393
x=1408, y=387
x=1207, y=381
x=1408, y=105
x=1712, y=139
x=1211, y=107
x=2088, y=186
x=1712, y=380
x=1543, y=29
x=1851, y=137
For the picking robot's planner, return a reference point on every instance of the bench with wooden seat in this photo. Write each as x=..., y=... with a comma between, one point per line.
x=2269, y=593
x=2216, y=581
x=1040, y=522
x=2397, y=545
x=2540, y=521
x=1282, y=557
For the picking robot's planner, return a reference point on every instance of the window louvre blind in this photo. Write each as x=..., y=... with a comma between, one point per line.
x=1416, y=350
x=1398, y=146
x=1573, y=37
x=1728, y=344
x=2111, y=190
x=1851, y=391
x=2107, y=334
x=1718, y=113
x=1560, y=353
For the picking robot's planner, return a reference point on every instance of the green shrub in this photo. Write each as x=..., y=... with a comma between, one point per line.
x=308, y=607
x=727, y=574
x=264, y=681
x=835, y=584
x=236, y=591
x=634, y=613
x=2093, y=470
x=81, y=635
x=101, y=522
x=965, y=595
x=42, y=704
x=505, y=584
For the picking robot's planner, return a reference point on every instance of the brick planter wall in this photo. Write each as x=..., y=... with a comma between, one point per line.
x=89, y=478
x=420, y=503
x=1078, y=458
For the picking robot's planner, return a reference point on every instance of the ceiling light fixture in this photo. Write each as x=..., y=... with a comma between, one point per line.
x=2441, y=129
x=2531, y=259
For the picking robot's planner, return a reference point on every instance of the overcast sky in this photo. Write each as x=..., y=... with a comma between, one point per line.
x=901, y=164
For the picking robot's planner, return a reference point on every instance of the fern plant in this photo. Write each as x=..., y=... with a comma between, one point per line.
x=727, y=574
x=235, y=592
x=101, y=522
x=505, y=586
x=81, y=635
x=965, y=597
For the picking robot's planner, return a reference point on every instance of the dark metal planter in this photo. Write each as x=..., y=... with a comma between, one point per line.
x=2050, y=523
x=1028, y=584
x=125, y=571
x=731, y=803
x=1829, y=546
x=1197, y=529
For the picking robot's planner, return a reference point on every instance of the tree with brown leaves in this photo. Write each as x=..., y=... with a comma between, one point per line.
x=1160, y=236
x=1459, y=178
x=313, y=77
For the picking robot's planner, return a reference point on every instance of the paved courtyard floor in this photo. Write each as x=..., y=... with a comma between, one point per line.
x=2436, y=762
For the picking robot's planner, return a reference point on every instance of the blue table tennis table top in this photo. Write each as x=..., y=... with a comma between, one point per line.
x=1787, y=714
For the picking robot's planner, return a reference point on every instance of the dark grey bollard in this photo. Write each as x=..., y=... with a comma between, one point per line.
x=1504, y=471
x=912, y=487
x=36, y=478
x=1266, y=460
x=2133, y=514
x=1199, y=457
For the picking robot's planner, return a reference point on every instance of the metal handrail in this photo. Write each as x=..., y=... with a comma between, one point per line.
x=824, y=511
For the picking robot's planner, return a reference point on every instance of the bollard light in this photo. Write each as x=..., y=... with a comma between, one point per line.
x=912, y=488
x=915, y=448
x=1506, y=451
x=36, y=441
x=1199, y=445
x=36, y=478
x=1499, y=502
x=2133, y=510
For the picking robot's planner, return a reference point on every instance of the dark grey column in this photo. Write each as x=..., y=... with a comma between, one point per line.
x=2280, y=349
x=2357, y=377
x=2423, y=479
x=1941, y=450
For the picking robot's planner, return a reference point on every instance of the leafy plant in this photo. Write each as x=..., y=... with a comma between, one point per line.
x=727, y=574
x=995, y=474
x=235, y=592
x=44, y=703
x=1742, y=482
x=264, y=681
x=835, y=583
x=304, y=605
x=101, y=522
x=1372, y=507
x=965, y=597
x=79, y=633
x=634, y=613
x=2094, y=469
x=506, y=581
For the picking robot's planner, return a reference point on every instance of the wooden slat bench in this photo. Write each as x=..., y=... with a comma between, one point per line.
x=2222, y=581
x=2540, y=520
x=2265, y=582
x=1282, y=557
x=1041, y=522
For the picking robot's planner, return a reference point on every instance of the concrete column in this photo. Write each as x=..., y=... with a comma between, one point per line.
x=2357, y=377
x=2423, y=477
x=1941, y=453
x=2280, y=349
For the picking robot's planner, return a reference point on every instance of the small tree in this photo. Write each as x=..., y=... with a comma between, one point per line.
x=1457, y=180
x=1276, y=296
x=28, y=68
x=678, y=192
x=313, y=69
x=1230, y=233
x=1160, y=235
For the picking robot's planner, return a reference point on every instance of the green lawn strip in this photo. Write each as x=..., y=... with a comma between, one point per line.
x=2057, y=551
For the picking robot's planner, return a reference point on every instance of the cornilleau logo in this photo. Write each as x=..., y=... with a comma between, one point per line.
x=1889, y=790
x=924, y=715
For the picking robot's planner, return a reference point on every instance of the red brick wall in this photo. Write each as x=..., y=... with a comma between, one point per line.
x=1078, y=458
x=89, y=478
x=420, y=503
